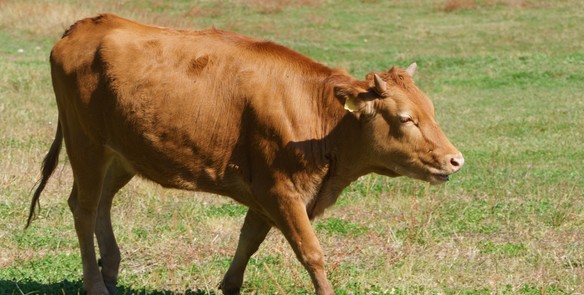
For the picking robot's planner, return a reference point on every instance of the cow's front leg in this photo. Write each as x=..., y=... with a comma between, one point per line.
x=294, y=223
x=253, y=233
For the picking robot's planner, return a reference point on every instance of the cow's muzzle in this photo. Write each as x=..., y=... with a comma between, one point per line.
x=455, y=162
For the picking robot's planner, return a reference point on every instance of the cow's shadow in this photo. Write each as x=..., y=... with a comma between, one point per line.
x=76, y=287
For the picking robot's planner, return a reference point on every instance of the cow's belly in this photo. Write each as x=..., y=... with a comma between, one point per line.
x=180, y=149
x=183, y=169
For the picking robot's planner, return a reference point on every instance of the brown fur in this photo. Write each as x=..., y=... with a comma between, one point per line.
x=228, y=114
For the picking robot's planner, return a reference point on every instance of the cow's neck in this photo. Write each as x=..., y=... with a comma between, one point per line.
x=345, y=157
x=345, y=136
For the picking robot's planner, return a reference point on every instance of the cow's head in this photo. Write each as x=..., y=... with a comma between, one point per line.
x=397, y=122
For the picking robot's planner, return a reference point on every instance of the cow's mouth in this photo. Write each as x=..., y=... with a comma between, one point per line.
x=439, y=178
x=444, y=177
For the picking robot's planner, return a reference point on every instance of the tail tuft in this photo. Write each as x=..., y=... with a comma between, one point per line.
x=49, y=165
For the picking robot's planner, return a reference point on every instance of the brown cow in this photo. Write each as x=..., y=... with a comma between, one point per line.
x=219, y=112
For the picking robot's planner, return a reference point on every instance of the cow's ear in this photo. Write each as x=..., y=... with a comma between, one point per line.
x=356, y=99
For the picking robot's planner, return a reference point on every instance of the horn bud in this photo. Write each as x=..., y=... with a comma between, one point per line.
x=411, y=69
x=380, y=85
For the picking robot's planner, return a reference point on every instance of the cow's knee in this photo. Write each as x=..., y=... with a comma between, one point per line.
x=313, y=260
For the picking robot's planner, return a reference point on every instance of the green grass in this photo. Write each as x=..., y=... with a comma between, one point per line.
x=506, y=78
x=337, y=226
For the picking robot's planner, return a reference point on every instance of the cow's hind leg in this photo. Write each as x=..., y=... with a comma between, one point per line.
x=253, y=233
x=116, y=177
x=89, y=163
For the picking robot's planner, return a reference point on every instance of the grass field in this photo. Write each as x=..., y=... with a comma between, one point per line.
x=507, y=80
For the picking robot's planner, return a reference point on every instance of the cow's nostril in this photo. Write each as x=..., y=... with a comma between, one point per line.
x=457, y=162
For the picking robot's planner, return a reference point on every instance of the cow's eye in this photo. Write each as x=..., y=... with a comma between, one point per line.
x=406, y=119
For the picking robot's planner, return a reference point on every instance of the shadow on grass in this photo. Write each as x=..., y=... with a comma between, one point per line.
x=76, y=287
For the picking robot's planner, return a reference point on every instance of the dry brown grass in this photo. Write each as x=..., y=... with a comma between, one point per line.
x=276, y=6
x=47, y=17
x=458, y=5
x=216, y=9
x=41, y=18
x=51, y=18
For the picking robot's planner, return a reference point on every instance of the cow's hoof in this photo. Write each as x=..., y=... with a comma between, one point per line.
x=98, y=290
x=111, y=288
x=229, y=290
x=232, y=292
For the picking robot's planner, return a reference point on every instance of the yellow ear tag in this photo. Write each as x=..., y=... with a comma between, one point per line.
x=351, y=106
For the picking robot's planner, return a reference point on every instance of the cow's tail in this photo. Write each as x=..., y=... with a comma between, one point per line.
x=49, y=165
